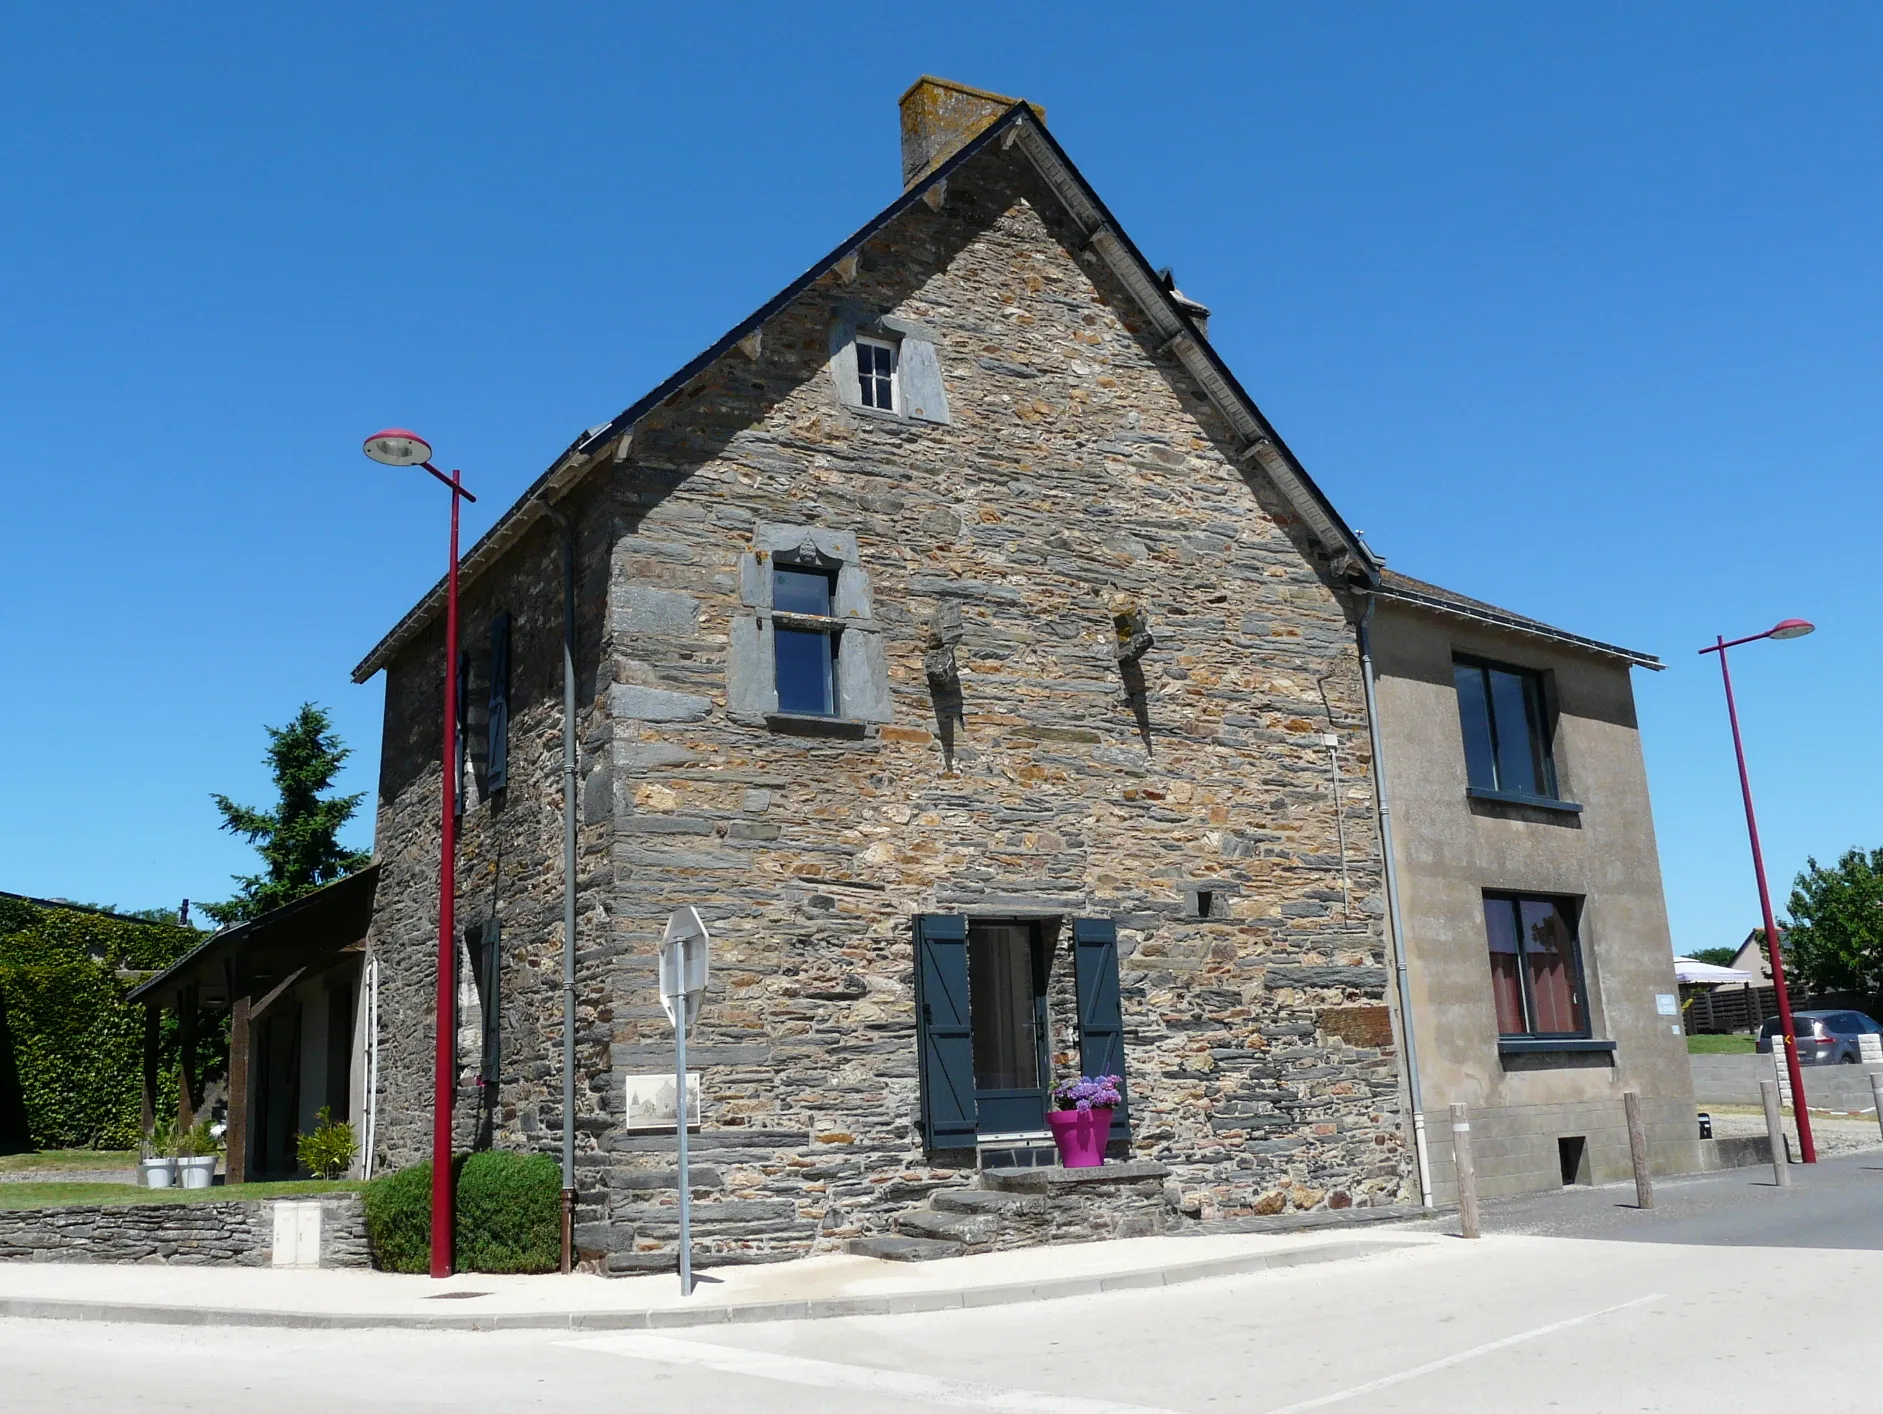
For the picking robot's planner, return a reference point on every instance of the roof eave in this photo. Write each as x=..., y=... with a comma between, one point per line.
x=1511, y=623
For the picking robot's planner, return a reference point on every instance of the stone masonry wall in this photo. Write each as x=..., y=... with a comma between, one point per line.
x=237, y=1233
x=1078, y=465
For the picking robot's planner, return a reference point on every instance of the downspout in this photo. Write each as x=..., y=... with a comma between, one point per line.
x=1394, y=925
x=569, y=790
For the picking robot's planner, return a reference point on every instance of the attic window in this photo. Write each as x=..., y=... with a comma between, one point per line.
x=876, y=373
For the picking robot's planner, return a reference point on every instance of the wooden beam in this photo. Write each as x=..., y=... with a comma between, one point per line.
x=236, y=1136
x=275, y=994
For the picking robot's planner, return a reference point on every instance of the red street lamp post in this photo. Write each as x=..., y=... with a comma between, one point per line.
x=1786, y=628
x=398, y=447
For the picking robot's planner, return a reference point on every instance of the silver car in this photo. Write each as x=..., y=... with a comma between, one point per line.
x=1824, y=1037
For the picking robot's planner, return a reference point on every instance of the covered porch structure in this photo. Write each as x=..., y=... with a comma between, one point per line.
x=290, y=981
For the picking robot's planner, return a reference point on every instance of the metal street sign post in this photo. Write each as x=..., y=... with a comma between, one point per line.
x=683, y=951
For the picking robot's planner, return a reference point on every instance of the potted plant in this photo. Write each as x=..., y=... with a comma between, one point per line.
x=1080, y=1119
x=329, y=1151
x=158, y=1168
x=196, y=1156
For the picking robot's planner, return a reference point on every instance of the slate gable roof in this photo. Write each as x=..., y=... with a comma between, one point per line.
x=1172, y=329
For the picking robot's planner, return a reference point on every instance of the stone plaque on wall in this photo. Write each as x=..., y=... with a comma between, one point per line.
x=650, y=1101
x=1369, y=1026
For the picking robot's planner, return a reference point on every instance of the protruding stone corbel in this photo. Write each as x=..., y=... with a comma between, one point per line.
x=623, y=445
x=1133, y=636
x=846, y=268
x=938, y=645
x=935, y=195
x=751, y=343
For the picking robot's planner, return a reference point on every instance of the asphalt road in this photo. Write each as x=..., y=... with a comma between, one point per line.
x=1726, y=1296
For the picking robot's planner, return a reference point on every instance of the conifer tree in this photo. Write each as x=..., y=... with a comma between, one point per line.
x=299, y=839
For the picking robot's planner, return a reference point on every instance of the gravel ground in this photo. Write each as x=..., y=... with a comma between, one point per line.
x=1834, y=1134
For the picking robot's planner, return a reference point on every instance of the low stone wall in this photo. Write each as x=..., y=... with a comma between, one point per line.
x=180, y=1233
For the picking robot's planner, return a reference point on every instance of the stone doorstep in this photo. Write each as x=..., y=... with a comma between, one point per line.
x=1060, y=1180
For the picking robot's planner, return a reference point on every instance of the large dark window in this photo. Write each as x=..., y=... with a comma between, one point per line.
x=1506, y=729
x=1536, y=966
x=806, y=652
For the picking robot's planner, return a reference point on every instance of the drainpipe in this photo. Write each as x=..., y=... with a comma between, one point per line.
x=569, y=790
x=1394, y=926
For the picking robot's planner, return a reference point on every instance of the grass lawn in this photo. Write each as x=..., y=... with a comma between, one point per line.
x=59, y=1195
x=89, y=1160
x=1720, y=1045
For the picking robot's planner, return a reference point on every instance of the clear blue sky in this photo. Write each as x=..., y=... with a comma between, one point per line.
x=1570, y=308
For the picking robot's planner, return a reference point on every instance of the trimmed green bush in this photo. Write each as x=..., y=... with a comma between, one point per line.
x=399, y=1219
x=509, y=1215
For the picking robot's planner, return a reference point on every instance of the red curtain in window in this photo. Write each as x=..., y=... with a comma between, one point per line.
x=1549, y=954
x=1500, y=922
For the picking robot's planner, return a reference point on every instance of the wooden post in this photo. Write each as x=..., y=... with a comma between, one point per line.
x=1638, y=1149
x=236, y=1135
x=1467, y=1173
x=148, y=1119
x=1775, y=1132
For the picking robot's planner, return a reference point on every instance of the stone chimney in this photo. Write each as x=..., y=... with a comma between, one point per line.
x=940, y=117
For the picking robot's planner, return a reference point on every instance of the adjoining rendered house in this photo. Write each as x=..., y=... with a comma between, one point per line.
x=961, y=640
x=1528, y=893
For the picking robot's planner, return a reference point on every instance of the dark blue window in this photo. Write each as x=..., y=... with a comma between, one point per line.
x=806, y=660
x=801, y=591
x=1506, y=729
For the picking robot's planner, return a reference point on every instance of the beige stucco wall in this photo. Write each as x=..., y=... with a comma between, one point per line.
x=1449, y=850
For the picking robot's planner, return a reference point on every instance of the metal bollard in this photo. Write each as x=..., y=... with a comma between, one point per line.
x=1638, y=1149
x=1467, y=1174
x=1876, y=1095
x=1775, y=1132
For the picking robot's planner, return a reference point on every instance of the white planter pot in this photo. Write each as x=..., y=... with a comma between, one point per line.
x=158, y=1173
x=197, y=1172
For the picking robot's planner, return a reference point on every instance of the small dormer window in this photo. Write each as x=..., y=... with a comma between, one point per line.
x=876, y=373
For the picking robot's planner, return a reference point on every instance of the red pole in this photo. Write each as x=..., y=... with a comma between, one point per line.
x=445, y=1077
x=1807, y=1150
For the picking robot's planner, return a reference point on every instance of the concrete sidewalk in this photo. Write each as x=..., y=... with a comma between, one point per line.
x=814, y=1288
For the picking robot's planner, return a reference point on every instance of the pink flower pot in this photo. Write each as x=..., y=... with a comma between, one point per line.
x=1080, y=1136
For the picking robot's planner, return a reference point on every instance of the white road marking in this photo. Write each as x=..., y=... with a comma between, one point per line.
x=827, y=1374
x=1462, y=1356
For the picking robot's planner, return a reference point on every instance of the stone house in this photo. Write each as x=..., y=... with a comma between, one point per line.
x=1528, y=893
x=958, y=637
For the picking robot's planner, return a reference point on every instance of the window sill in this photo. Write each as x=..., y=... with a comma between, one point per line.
x=801, y=724
x=1546, y=1045
x=1511, y=797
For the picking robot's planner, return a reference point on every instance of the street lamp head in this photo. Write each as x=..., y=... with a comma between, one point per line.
x=1791, y=628
x=396, y=446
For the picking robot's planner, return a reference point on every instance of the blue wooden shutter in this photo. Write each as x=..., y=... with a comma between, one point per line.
x=497, y=759
x=946, y=1042
x=1101, y=1017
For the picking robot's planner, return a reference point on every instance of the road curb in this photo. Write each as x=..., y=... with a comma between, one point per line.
x=669, y=1318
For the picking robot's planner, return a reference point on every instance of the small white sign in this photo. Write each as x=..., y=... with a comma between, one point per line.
x=1667, y=1004
x=683, y=963
x=650, y=1101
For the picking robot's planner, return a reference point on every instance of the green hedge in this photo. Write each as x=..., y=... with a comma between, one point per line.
x=509, y=1215
x=76, y=1047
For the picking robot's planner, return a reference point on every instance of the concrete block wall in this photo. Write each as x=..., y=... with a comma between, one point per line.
x=1515, y=1147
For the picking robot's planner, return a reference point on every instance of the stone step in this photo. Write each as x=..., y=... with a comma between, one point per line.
x=903, y=1249
x=981, y=1200
x=969, y=1229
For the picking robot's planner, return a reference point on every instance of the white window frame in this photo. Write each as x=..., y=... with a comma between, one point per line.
x=871, y=341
